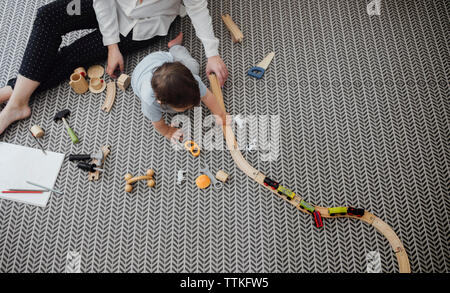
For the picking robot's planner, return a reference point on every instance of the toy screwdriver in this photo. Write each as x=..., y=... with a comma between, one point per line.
x=89, y=167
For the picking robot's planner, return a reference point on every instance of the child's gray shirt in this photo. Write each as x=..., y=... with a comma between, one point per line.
x=141, y=84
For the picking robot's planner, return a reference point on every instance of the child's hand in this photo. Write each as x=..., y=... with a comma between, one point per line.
x=175, y=135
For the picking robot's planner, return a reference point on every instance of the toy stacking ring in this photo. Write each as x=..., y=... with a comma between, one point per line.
x=191, y=146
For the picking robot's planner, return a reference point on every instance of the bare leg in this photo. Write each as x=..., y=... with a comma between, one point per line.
x=17, y=107
x=5, y=94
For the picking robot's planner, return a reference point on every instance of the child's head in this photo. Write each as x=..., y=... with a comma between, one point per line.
x=174, y=85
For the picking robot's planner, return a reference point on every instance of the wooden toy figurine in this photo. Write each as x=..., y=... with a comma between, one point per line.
x=130, y=180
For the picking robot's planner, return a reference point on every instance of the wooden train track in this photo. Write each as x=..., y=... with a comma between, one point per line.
x=250, y=171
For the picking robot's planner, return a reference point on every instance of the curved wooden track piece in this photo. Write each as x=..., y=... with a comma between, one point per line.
x=110, y=96
x=369, y=218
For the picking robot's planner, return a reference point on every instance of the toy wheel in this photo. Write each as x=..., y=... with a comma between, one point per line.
x=151, y=183
x=128, y=188
x=150, y=172
x=128, y=176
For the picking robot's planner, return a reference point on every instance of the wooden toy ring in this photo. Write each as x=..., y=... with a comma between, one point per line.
x=192, y=147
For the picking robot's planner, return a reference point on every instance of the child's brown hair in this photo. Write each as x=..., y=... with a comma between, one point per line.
x=174, y=84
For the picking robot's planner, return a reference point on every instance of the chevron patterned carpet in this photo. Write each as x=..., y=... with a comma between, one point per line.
x=364, y=108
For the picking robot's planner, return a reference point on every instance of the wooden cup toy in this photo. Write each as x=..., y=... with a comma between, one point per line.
x=97, y=85
x=81, y=71
x=78, y=83
x=130, y=180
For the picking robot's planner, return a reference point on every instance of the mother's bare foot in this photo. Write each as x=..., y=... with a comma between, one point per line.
x=5, y=93
x=177, y=41
x=12, y=113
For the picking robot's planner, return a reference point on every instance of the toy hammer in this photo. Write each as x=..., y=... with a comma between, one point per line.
x=62, y=115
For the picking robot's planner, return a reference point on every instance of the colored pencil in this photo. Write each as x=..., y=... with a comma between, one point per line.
x=21, y=191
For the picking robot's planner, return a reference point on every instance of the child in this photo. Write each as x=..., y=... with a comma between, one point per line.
x=169, y=82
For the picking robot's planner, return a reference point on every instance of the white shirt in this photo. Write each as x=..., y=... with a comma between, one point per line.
x=152, y=18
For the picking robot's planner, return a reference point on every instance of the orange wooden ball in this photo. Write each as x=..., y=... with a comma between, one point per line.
x=202, y=181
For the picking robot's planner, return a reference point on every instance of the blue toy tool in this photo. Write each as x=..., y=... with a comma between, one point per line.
x=259, y=70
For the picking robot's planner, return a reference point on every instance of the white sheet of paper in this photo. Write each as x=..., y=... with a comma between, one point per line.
x=19, y=164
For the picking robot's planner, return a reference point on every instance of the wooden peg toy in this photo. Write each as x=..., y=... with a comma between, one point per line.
x=78, y=83
x=236, y=34
x=148, y=177
x=110, y=96
x=123, y=81
x=222, y=176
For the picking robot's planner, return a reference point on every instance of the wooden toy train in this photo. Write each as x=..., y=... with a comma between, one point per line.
x=335, y=211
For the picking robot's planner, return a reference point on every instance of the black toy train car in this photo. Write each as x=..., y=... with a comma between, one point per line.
x=271, y=183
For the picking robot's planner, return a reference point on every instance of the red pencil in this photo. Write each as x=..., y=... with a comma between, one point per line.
x=21, y=191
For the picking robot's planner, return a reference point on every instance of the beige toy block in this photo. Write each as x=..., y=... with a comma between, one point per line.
x=123, y=82
x=236, y=34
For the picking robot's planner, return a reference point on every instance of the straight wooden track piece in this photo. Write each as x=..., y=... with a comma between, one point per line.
x=110, y=96
x=236, y=34
x=215, y=89
x=93, y=176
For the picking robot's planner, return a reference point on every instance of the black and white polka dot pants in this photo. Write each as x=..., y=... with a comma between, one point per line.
x=46, y=62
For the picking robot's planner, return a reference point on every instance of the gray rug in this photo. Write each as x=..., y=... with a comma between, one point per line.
x=364, y=109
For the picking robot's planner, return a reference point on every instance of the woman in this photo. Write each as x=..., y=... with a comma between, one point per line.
x=121, y=27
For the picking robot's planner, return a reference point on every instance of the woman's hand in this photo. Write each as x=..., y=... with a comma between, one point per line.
x=115, y=59
x=216, y=65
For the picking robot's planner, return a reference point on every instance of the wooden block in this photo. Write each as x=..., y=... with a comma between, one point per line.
x=37, y=131
x=93, y=176
x=222, y=176
x=236, y=34
x=124, y=81
x=216, y=90
x=110, y=96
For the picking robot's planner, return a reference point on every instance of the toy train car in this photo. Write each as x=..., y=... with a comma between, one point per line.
x=286, y=192
x=346, y=211
x=307, y=206
x=355, y=212
x=318, y=219
x=337, y=211
x=271, y=183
